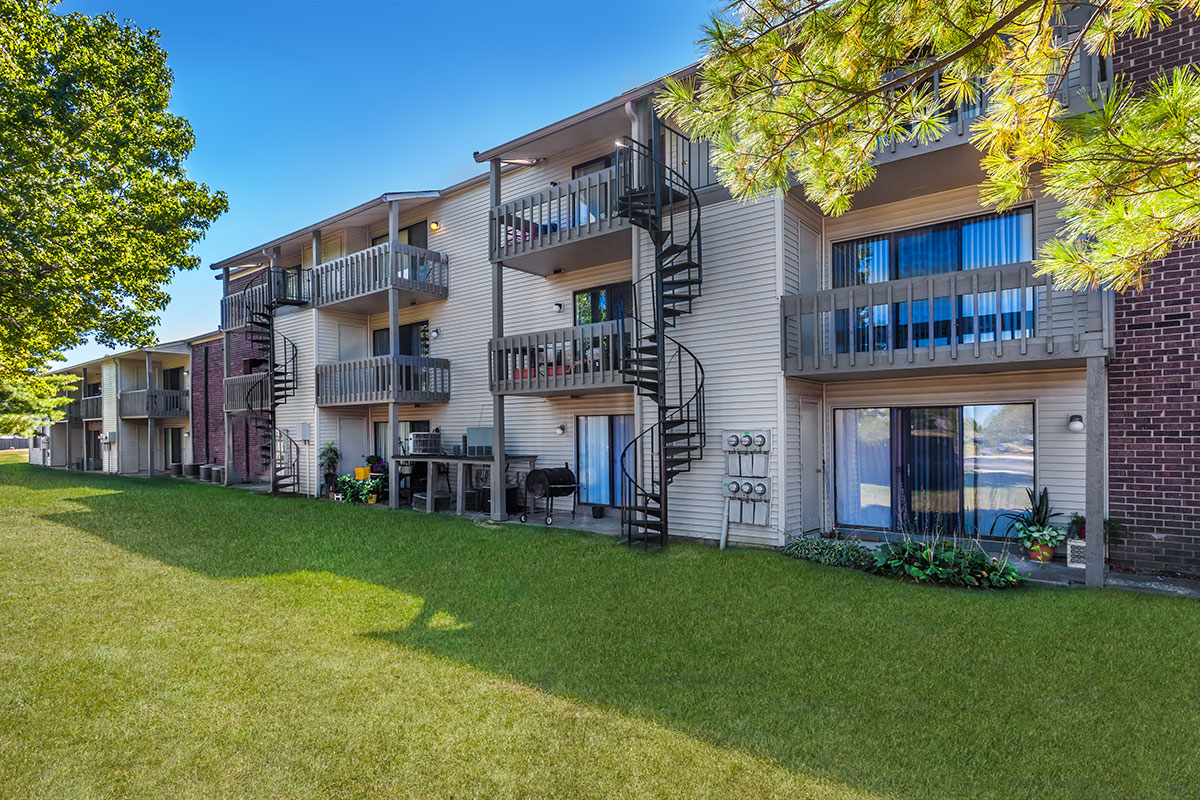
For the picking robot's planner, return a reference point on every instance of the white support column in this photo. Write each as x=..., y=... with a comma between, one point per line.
x=227, y=477
x=499, y=478
x=149, y=417
x=1097, y=434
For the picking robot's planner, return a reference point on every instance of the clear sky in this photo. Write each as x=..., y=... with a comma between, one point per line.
x=303, y=108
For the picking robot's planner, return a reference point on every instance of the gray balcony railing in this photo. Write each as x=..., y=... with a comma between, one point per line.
x=384, y=379
x=570, y=212
x=247, y=392
x=415, y=270
x=283, y=286
x=71, y=411
x=1088, y=77
x=568, y=360
x=982, y=317
x=91, y=408
x=154, y=403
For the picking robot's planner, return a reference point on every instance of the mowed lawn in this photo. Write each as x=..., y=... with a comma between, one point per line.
x=160, y=639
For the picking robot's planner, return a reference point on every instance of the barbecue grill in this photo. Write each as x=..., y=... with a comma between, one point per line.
x=547, y=484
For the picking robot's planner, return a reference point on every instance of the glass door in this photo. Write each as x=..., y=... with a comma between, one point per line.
x=930, y=469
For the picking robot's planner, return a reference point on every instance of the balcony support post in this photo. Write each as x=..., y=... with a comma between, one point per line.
x=1096, y=422
x=149, y=416
x=499, y=478
x=226, y=478
x=393, y=445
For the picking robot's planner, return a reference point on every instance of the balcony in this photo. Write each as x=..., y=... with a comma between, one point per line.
x=1088, y=77
x=384, y=379
x=154, y=404
x=272, y=287
x=355, y=282
x=247, y=392
x=565, y=227
x=883, y=329
x=91, y=408
x=584, y=359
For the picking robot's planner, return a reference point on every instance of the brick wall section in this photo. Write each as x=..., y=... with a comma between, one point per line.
x=1154, y=376
x=208, y=421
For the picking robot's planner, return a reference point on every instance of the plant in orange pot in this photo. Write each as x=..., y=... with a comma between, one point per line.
x=1040, y=542
x=1033, y=526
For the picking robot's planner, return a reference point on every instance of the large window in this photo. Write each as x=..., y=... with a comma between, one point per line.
x=990, y=240
x=413, y=338
x=603, y=303
x=931, y=468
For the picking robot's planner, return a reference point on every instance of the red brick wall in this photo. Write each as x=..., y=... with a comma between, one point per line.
x=1154, y=375
x=208, y=421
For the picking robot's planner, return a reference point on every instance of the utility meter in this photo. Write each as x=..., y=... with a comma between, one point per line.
x=734, y=487
x=760, y=489
x=760, y=441
x=733, y=440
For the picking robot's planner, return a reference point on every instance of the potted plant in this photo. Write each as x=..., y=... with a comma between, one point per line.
x=376, y=464
x=1077, y=526
x=1040, y=541
x=328, y=459
x=371, y=489
x=1034, y=527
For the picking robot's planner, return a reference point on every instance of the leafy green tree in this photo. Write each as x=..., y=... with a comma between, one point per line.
x=96, y=209
x=803, y=90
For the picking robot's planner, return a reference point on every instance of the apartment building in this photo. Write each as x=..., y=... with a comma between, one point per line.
x=706, y=368
x=129, y=415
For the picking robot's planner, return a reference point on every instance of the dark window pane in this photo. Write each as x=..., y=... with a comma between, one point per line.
x=997, y=465
x=380, y=342
x=860, y=261
x=997, y=239
x=927, y=251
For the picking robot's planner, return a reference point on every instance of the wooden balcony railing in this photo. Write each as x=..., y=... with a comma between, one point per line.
x=91, y=408
x=247, y=392
x=411, y=269
x=154, y=403
x=384, y=379
x=982, y=318
x=580, y=209
x=234, y=307
x=1088, y=77
x=564, y=361
x=281, y=286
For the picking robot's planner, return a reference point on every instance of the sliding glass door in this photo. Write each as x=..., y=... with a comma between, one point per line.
x=599, y=442
x=932, y=469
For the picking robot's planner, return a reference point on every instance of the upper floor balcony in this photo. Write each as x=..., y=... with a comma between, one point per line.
x=583, y=359
x=273, y=286
x=384, y=379
x=154, y=404
x=91, y=408
x=563, y=227
x=978, y=320
x=359, y=282
x=251, y=392
x=1088, y=77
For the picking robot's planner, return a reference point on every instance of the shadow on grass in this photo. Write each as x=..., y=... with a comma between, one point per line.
x=907, y=691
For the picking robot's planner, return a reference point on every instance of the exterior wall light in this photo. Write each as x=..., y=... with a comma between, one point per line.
x=558, y=307
x=561, y=430
x=1075, y=424
x=435, y=333
x=435, y=226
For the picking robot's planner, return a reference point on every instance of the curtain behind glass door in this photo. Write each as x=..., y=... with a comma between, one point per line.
x=930, y=469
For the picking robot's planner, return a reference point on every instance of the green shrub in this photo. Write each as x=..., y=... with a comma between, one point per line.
x=834, y=552
x=944, y=562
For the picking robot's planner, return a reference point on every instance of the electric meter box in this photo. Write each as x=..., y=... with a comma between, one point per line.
x=749, y=500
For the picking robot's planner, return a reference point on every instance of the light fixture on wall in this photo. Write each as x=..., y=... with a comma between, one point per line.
x=558, y=307
x=435, y=226
x=433, y=334
x=561, y=430
x=1075, y=423
x=187, y=434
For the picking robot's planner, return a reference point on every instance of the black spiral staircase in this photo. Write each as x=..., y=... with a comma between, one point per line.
x=276, y=360
x=655, y=194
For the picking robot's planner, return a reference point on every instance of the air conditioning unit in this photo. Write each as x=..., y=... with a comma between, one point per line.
x=479, y=442
x=424, y=444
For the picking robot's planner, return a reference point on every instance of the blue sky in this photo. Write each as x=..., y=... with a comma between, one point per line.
x=303, y=108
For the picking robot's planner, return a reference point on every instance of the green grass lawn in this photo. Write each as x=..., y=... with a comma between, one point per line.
x=162, y=639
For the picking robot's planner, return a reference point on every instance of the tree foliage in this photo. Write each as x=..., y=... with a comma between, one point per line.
x=804, y=91
x=96, y=209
